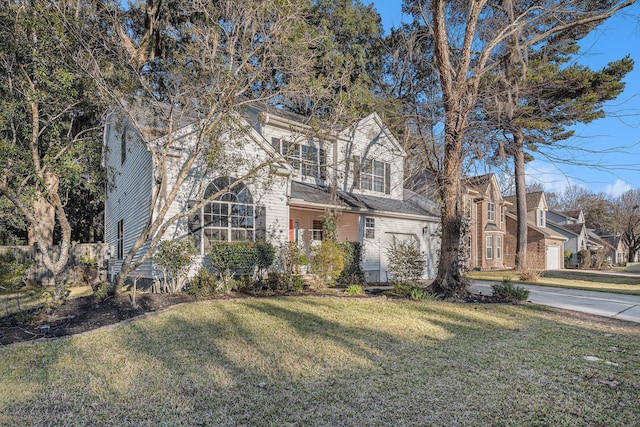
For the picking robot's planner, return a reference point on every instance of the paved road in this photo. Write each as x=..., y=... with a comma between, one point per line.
x=617, y=306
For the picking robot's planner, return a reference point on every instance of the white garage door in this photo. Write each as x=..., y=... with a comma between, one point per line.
x=553, y=257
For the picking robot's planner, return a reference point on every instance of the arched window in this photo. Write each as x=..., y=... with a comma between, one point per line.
x=230, y=216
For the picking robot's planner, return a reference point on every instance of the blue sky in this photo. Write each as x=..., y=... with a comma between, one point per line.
x=608, y=149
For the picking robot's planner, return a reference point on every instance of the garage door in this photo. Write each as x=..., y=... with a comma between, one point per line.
x=553, y=257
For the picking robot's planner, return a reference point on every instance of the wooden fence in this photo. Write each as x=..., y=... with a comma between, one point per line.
x=38, y=272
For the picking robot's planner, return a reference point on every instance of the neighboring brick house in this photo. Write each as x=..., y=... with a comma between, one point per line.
x=485, y=212
x=545, y=247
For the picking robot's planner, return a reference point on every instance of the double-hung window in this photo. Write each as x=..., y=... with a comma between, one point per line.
x=498, y=247
x=308, y=160
x=489, y=247
x=372, y=175
x=369, y=228
x=317, y=230
x=491, y=211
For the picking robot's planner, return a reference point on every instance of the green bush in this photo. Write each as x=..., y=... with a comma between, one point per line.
x=204, y=284
x=328, y=261
x=12, y=273
x=174, y=257
x=406, y=262
x=567, y=258
x=229, y=258
x=352, y=273
x=507, y=292
x=354, y=290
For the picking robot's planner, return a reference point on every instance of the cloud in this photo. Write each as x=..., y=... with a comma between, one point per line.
x=617, y=188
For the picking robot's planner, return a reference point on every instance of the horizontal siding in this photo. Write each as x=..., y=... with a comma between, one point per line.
x=375, y=251
x=129, y=199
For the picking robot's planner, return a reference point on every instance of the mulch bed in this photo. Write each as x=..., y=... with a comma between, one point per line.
x=81, y=314
x=84, y=314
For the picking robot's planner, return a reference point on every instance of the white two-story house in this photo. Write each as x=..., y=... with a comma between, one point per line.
x=276, y=178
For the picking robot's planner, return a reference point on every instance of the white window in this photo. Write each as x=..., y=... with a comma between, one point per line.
x=372, y=175
x=229, y=217
x=491, y=211
x=468, y=209
x=369, y=228
x=541, y=218
x=316, y=232
x=498, y=247
x=489, y=244
x=307, y=160
x=469, y=247
x=502, y=214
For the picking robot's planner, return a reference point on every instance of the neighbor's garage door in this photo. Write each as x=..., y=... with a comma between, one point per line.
x=553, y=257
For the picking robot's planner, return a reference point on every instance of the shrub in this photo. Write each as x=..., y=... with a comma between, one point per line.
x=12, y=273
x=406, y=262
x=529, y=275
x=88, y=271
x=567, y=258
x=229, y=258
x=584, y=258
x=354, y=290
x=204, y=284
x=352, y=272
x=328, y=261
x=174, y=257
x=506, y=291
x=265, y=254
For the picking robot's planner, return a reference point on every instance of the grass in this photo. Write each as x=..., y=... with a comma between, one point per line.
x=331, y=361
x=11, y=303
x=572, y=279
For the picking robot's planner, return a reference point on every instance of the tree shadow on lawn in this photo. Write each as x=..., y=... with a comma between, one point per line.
x=230, y=363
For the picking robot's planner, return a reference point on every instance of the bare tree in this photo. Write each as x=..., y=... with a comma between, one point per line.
x=470, y=40
x=197, y=63
x=626, y=217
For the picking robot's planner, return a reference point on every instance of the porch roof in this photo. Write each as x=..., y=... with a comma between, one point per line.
x=356, y=202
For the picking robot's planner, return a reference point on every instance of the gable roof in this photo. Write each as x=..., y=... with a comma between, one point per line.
x=480, y=183
x=572, y=214
x=548, y=233
x=358, y=202
x=534, y=200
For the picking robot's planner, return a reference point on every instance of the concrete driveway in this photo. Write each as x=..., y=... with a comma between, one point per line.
x=617, y=306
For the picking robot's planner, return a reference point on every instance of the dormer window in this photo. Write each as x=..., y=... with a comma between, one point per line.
x=502, y=213
x=372, y=175
x=491, y=211
x=541, y=218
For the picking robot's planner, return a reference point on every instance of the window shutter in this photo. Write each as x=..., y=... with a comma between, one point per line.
x=323, y=164
x=275, y=143
x=195, y=225
x=261, y=224
x=387, y=178
x=356, y=171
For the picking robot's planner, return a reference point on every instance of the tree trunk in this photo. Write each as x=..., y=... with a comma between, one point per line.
x=521, y=201
x=450, y=279
x=41, y=234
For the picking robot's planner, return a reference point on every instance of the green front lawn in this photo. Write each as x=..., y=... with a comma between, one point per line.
x=585, y=280
x=331, y=361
